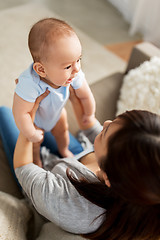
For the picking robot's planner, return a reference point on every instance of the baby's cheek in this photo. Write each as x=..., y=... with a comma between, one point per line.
x=67, y=75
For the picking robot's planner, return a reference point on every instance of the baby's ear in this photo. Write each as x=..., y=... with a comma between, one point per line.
x=39, y=69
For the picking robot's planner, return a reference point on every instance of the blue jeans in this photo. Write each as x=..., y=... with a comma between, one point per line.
x=9, y=134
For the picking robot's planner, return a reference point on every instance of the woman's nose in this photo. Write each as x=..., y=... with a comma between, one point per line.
x=106, y=123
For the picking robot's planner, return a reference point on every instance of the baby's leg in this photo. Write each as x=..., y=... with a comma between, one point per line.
x=61, y=134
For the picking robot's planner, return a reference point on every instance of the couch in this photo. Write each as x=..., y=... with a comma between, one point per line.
x=18, y=220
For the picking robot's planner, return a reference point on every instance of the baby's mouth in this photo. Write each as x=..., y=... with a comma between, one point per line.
x=69, y=80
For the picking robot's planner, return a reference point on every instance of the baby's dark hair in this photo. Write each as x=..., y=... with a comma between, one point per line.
x=45, y=32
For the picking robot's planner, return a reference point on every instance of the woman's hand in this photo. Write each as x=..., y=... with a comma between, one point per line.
x=37, y=102
x=23, y=153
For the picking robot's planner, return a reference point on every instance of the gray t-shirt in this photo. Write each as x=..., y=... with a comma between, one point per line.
x=54, y=197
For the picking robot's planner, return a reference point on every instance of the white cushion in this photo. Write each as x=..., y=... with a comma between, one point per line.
x=141, y=88
x=14, y=217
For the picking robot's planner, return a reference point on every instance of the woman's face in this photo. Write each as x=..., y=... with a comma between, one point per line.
x=101, y=141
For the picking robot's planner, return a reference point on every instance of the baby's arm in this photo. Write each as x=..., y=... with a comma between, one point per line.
x=21, y=110
x=87, y=100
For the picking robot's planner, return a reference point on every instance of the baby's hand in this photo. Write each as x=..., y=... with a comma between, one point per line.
x=37, y=136
x=88, y=118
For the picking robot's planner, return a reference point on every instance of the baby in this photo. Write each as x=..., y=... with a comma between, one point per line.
x=56, y=52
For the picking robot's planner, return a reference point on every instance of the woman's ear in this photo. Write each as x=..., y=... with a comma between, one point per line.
x=39, y=69
x=106, y=180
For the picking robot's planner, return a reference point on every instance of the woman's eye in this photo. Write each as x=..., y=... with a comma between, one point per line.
x=68, y=67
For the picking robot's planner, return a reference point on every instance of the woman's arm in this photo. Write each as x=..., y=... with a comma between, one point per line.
x=23, y=153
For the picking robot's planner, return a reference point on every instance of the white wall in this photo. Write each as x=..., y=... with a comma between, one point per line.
x=126, y=7
x=144, y=17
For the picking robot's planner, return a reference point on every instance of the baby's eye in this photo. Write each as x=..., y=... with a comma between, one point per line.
x=79, y=59
x=68, y=67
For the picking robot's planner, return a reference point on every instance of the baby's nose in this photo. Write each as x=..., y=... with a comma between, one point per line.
x=76, y=67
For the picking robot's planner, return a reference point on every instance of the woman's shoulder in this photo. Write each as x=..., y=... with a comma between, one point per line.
x=56, y=198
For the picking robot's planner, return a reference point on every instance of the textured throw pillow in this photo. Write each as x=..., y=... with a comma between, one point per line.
x=141, y=88
x=14, y=216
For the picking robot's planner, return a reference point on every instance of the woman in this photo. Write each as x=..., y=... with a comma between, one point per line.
x=111, y=193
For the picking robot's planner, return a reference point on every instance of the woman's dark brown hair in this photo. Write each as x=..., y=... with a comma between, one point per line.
x=132, y=165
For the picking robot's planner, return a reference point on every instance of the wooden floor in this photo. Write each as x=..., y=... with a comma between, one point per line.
x=123, y=50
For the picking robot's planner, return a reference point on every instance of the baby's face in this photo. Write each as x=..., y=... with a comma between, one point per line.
x=64, y=61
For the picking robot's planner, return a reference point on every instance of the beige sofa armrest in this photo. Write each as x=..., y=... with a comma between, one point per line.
x=140, y=53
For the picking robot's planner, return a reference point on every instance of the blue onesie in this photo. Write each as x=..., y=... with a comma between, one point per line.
x=30, y=86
